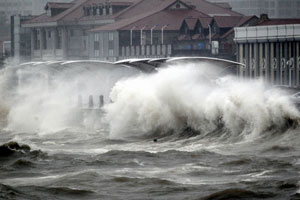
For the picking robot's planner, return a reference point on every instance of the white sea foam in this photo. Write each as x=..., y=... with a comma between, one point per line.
x=178, y=96
x=44, y=98
x=189, y=95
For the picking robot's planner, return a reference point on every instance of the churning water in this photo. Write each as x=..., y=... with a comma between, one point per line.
x=180, y=133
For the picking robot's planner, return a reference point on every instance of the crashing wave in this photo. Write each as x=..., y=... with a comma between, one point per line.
x=189, y=96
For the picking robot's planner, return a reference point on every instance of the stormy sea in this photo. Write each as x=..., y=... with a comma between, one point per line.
x=184, y=132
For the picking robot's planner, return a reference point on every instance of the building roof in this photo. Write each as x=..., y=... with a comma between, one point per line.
x=145, y=7
x=58, y=5
x=242, y=22
x=228, y=21
x=137, y=10
x=205, y=21
x=148, y=13
x=211, y=9
x=279, y=22
x=224, y=5
x=75, y=12
x=44, y=18
x=169, y=19
x=191, y=22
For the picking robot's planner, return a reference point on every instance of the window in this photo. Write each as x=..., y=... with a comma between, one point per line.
x=49, y=34
x=104, y=10
x=100, y=10
x=185, y=29
x=36, y=41
x=71, y=32
x=84, y=44
x=96, y=37
x=59, y=39
x=88, y=11
x=44, y=39
x=96, y=45
x=111, y=53
x=94, y=10
x=107, y=10
x=215, y=29
x=110, y=36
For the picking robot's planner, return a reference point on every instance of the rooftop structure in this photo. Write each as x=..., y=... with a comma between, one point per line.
x=274, y=8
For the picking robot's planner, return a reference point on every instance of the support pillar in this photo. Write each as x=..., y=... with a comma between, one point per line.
x=64, y=43
x=277, y=64
x=260, y=60
x=91, y=101
x=272, y=64
x=101, y=101
x=290, y=65
x=286, y=71
x=246, y=60
x=297, y=63
x=250, y=61
x=256, y=71
x=54, y=36
x=281, y=68
x=240, y=52
x=267, y=61
x=41, y=43
x=32, y=43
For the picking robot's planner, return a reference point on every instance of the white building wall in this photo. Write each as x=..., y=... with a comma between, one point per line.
x=275, y=53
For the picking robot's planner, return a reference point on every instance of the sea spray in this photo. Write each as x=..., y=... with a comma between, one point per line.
x=45, y=95
x=189, y=95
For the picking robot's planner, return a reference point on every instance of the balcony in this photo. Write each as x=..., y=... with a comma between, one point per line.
x=149, y=51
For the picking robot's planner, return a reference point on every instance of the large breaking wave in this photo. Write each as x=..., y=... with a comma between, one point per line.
x=179, y=97
x=192, y=96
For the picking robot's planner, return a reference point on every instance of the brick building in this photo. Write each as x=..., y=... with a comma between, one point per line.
x=117, y=29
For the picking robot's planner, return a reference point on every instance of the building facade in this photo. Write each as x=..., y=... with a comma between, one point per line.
x=24, y=7
x=20, y=44
x=120, y=29
x=274, y=8
x=271, y=52
x=62, y=32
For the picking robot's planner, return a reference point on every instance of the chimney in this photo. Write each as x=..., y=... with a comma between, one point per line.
x=263, y=17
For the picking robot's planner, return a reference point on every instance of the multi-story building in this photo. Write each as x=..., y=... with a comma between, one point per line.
x=24, y=7
x=118, y=29
x=270, y=50
x=274, y=8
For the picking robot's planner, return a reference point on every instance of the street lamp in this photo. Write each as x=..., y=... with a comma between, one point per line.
x=209, y=30
x=162, y=33
x=153, y=27
x=142, y=34
x=131, y=35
